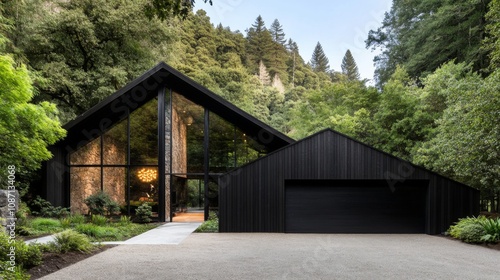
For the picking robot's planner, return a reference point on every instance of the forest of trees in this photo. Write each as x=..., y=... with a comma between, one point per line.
x=436, y=102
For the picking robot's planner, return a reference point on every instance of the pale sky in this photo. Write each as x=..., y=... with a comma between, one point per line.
x=337, y=25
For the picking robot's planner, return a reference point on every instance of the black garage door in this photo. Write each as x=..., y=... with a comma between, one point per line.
x=355, y=206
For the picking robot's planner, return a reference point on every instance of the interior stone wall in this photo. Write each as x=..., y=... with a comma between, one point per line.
x=168, y=135
x=178, y=134
x=179, y=144
x=86, y=181
x=115, y=178
x=88, y=154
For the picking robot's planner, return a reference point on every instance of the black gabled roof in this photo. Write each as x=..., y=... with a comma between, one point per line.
x=330, y=132
x=114, y=108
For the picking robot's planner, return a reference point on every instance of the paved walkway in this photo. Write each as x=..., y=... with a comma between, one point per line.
x=169, y=233
x=292, y=256
x=41, y=240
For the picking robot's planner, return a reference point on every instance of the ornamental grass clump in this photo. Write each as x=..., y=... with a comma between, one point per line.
x=71, y=241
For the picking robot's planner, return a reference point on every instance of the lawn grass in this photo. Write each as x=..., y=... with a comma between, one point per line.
x=40, y=226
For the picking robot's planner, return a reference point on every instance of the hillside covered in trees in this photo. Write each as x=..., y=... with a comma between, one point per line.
x=436, y=103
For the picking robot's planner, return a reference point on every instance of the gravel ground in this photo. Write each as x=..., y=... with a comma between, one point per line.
x=292, y=256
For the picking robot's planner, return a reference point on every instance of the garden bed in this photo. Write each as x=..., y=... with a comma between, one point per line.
x=52, y=262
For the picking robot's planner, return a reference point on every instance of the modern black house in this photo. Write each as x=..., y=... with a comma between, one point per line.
x=163, y=137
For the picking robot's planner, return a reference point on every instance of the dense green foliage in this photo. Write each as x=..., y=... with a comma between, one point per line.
x=25, y=128
x=26, y=256
x=18, y=274
x=210, y=225
x=492, y=41
x=165, y=9
x=101, y=204
x=476, y=230
x=99, y=220
x=72, y=241
x=491, y=229
x=143, y=213
x=43, y=208
x=422, y=35
x=85, y=50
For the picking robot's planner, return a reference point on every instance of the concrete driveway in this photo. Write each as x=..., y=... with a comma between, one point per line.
x=292, y=256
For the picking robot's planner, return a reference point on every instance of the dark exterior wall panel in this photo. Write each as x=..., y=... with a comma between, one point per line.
x=259, y=186
x=56, y=175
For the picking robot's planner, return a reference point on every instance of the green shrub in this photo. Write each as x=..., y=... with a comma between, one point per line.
x=99, y=220
x=143, y=213
x=70, y=241
x=43, y=208
x=472, y=233
x=77, y=219
x=99, y=232
x=72, y=220
x=26, y=231
x=211, y=225
x=492, y=230
x=22, y=214
x=26, y=256
x=49, y=247
x=101, y=204
x=456, y=230
x=125, y=220
x=65, y=222
x=45, y=225
x=17, y=274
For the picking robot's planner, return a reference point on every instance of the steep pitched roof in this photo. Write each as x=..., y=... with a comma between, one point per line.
x=328, y=140
x=115, y=107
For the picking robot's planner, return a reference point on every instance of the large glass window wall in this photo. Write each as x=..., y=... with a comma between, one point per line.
x=125, y=161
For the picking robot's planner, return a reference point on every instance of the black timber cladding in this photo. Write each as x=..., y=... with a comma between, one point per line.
x=252, y=198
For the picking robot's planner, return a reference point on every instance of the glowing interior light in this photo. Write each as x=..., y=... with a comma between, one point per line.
x=147, y=175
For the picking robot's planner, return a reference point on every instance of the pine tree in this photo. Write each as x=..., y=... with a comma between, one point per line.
x=259, y=45
x=292, y=46
x=278, y=55
x=277, y=32
x=349, y=67
x=319, y=61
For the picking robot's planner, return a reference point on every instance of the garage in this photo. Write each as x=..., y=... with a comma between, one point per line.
x=355, y=206
x=331, y=183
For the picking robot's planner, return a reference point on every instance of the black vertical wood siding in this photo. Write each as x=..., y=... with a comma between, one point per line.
x=57, y=175
x=252, y=197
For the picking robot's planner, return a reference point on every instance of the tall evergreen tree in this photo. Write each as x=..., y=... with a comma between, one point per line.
x=277, y=32
x=422, y=35
x=349, y=67
x=319, y=61
x=278, y=56
x=492, y=42
x=259, y=45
